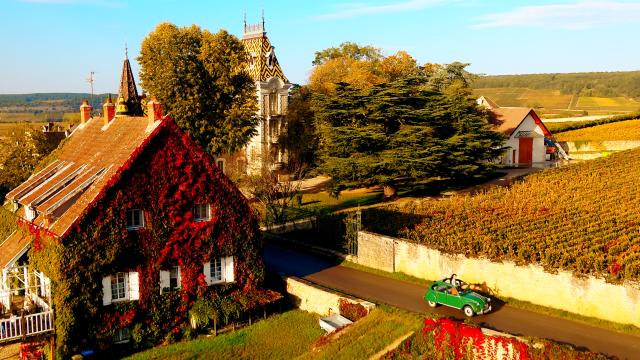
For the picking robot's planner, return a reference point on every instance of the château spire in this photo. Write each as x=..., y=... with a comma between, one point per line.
x=128, y=91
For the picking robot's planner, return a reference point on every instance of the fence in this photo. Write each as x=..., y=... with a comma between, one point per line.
x=28, y=325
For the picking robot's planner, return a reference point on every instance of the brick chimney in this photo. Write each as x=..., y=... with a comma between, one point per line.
x=85, y=111
x=154, y=110
x=108, y=110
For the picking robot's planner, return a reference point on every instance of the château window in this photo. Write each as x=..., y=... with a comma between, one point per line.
x=273, y=104
x=135, y=219
x=174, y=277
x=201, y=212
x=216, y=270
x=119, y=286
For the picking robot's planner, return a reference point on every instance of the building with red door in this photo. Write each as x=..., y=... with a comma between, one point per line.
x=529, y=141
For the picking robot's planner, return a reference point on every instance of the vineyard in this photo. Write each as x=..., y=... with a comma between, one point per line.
x=624, y=130
x=583, y=218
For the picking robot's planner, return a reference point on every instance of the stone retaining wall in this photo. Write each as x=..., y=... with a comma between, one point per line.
x=585, y=295
x=314, y=298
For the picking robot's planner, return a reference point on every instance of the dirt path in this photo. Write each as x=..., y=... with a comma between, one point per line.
x=410, y=296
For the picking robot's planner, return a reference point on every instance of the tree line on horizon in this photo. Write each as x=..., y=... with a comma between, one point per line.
x=598, y=84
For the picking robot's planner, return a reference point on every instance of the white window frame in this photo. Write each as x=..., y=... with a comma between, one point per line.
x=131, y=287
x=125, y=287
x=133, y=226
x=177, y=278
x=198, y=208
x=226, y=271
x=217, y=268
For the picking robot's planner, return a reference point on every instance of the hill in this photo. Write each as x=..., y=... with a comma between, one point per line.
x=46, y=102
x=578, y=93
x=582, y=218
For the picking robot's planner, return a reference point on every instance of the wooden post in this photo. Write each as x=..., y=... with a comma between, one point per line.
x=52, y=347
x=215, y=327
x=264, y=311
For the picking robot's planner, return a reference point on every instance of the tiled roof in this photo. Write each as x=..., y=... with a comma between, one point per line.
x=128, y=90
x=14, y=245
x=507, y=119
x=84, y=165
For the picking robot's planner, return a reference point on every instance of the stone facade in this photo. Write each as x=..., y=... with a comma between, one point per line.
x=585, y=295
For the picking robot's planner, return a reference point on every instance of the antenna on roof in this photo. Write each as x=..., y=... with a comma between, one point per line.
x=126, y=51
x=263, y=20
x=245, y=21
x=91, y=80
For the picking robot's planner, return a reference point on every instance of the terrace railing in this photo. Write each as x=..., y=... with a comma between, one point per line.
x=25, y=326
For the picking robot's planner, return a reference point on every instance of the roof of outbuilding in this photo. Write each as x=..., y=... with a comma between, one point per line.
x=507, y=119
x=81, y=169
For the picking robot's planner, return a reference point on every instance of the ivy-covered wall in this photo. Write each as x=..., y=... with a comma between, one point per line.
x=165, y=177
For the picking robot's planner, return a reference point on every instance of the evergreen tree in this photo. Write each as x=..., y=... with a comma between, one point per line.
x=401, y=129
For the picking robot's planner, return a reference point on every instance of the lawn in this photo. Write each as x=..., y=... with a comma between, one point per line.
x=368, y=336
x=623, y=130
x=296, y=334
x=324, y=202
x=282, y=336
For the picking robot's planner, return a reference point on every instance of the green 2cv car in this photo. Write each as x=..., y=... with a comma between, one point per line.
x=471, y=303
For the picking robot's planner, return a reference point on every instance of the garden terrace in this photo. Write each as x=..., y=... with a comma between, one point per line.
x=581, y=218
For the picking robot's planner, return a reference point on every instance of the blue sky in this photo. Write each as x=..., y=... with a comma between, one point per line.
x=52, y=45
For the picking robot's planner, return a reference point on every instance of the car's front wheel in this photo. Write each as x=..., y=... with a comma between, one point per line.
x=432, y=303
x=468, y=311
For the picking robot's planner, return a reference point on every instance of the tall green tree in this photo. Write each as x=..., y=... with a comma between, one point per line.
x=201, y=80
x=300, y=138
x=21, y=151
x=399, y=130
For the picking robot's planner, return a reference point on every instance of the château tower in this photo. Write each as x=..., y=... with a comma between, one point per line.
x=272, y=88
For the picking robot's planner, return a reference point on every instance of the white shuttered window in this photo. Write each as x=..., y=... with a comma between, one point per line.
x=219, y=270
x=122, y=286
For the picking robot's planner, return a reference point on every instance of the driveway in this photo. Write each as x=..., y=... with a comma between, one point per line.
x=409, y=296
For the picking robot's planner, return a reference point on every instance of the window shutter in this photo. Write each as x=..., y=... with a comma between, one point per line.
x=134, y=286
x=207, y=272
x=106, y=290
x=228, y=269
x=179, y=277
x=164, y=280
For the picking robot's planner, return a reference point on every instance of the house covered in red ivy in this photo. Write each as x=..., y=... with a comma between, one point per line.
x=128, y=224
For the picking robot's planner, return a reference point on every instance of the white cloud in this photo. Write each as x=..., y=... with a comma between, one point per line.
x=351, y=10
x=577, y=15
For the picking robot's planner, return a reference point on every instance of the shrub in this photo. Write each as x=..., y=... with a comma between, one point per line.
x=352, y=311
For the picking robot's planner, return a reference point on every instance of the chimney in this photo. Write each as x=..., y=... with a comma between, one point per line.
x=108, y=110
x=85, y=111
x=154, y=110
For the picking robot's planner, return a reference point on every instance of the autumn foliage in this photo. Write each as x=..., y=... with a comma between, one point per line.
x=447, y=339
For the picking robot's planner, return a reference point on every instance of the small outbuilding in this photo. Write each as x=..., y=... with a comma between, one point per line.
x=529, y=141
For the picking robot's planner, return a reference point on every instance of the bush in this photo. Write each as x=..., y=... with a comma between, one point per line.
x=352, y=311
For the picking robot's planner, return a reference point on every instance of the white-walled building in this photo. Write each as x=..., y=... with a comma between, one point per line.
x=529, y=141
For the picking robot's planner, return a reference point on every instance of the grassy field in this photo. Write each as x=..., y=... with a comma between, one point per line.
x=623, y=130
x=295, y=334
x=552, y=101
x=283, y=336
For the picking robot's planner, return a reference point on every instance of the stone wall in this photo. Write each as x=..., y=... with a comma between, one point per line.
x=585, y=295
x=587, y=150
x=303, y=224
x=314, y=298
x=376, y=251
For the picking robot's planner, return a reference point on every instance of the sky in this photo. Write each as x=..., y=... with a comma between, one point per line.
x=52, y=45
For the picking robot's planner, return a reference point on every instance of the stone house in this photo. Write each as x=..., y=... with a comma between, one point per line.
x=126, y=226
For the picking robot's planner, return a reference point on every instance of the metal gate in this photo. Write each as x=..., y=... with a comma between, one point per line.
x=353, y=224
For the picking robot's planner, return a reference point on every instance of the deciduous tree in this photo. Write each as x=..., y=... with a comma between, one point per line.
x=201, y=79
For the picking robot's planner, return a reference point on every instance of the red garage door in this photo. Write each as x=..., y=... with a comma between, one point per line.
x=525, y=150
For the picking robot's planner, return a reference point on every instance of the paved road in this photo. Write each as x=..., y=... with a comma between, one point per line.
x=409, y=296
